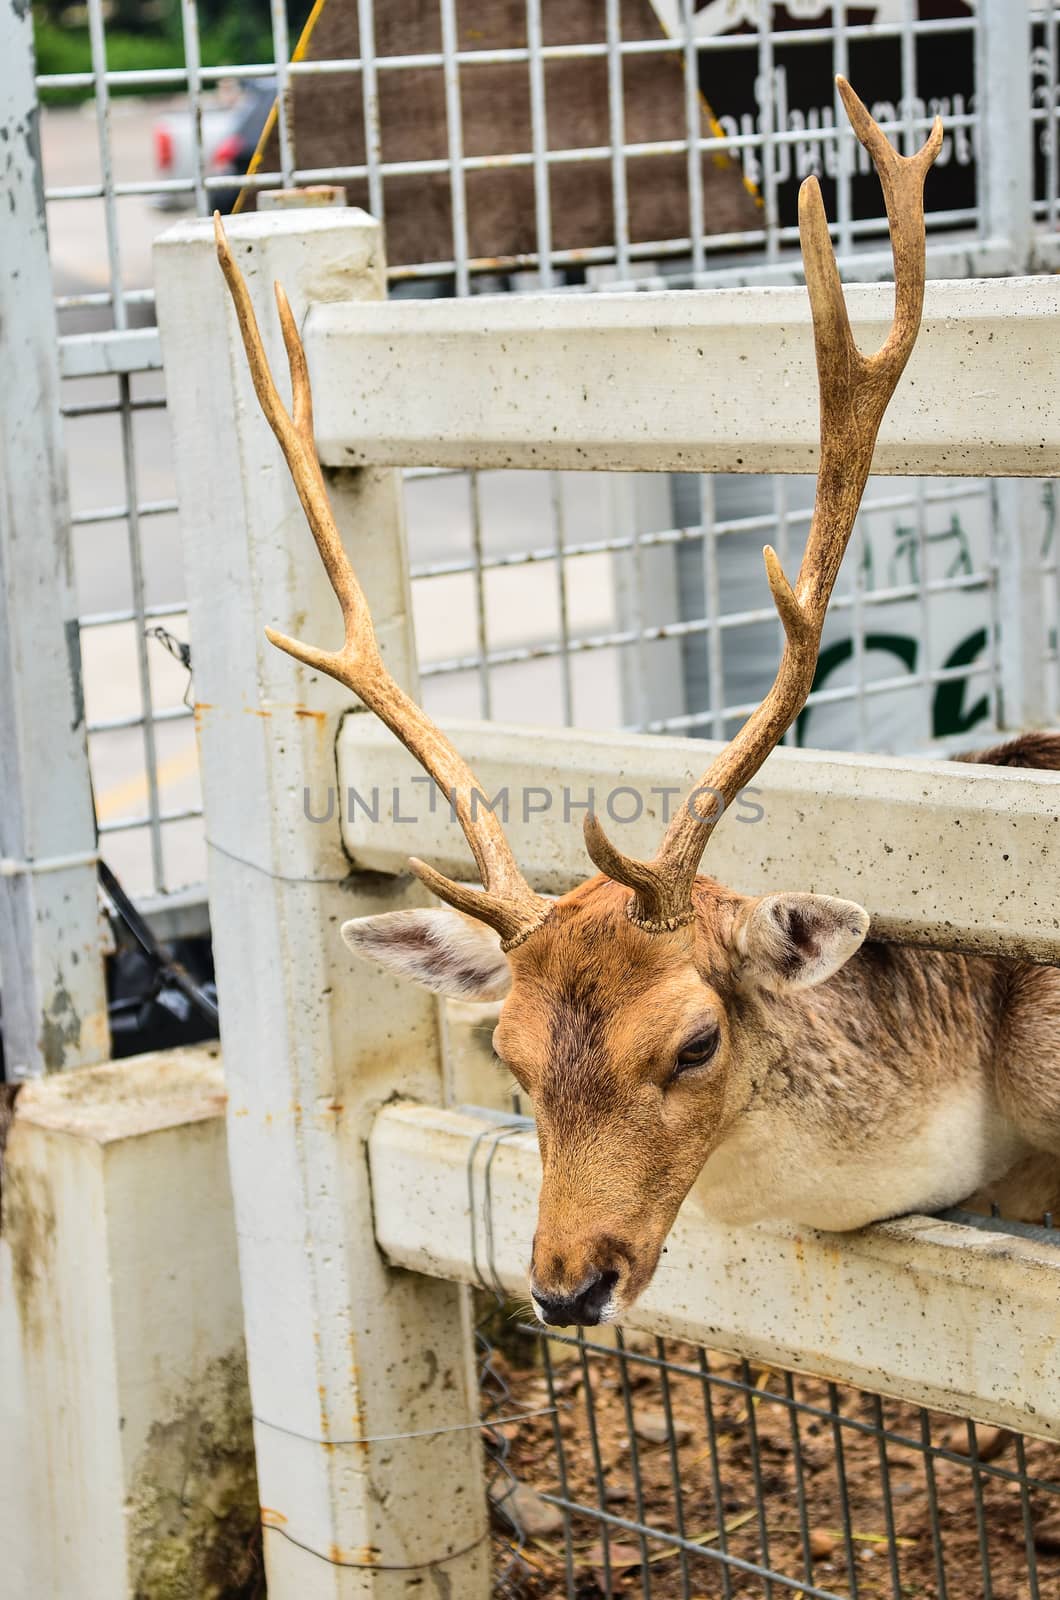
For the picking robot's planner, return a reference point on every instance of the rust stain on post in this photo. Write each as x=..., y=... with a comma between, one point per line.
x=29, y=1228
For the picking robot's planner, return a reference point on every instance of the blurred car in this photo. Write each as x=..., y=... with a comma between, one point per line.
x=231, y=129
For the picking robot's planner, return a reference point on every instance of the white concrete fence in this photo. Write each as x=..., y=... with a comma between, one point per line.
x=350, y=1141
x=348, y=1158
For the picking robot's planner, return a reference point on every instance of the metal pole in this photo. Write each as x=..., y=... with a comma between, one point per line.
x=1018, y=516
x=51, y=964
x=1006, y=179
x=1005, y=131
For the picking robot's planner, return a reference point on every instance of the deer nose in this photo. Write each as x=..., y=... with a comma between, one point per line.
x=586, y=1304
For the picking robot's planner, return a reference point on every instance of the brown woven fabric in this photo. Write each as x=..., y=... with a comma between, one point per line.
x=328, y=128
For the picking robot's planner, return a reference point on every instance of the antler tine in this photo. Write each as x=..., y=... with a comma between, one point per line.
x=854, y=393
x=506, y=903
x=295, y=436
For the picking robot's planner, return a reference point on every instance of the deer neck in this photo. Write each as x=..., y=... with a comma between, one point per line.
x=868, y=1096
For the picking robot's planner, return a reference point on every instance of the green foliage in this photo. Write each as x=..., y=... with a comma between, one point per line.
x=68, y=50
x=237, y=36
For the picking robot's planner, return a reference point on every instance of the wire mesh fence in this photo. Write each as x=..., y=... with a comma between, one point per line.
x=664, y=1470
x=622, y=1463
x=608, y=604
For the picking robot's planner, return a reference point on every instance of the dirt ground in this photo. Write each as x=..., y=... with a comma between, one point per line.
x=878, y=1559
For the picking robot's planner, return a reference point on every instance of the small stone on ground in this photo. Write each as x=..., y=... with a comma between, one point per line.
x=537, y=1517
x=653, y=1427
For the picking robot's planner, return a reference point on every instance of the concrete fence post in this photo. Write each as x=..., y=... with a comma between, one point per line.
x=51, y=959
x=124, y=1415
x=362, y=1378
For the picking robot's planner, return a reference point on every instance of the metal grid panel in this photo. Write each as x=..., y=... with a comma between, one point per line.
x=128, y=559
x=640, y=617
x=677, y=1472
x=774, y=157
x=930, y=554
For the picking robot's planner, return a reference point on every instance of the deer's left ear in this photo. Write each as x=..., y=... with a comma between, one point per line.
x=443, y=950
x=793, y=941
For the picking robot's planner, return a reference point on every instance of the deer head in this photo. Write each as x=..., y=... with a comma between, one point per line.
x=637, y=1009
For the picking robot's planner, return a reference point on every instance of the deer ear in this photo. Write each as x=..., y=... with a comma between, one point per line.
x=443, y=950
x=793, y=941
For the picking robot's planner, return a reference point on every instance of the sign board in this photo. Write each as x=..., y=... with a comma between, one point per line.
x=803, y=98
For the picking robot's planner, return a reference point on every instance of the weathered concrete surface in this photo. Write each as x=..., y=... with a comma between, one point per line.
x=125, y=1398
x=895, y=835
x=544, y=381
x=55, y=1004
x=927, y=1310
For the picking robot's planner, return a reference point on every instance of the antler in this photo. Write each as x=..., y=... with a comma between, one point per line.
x=854, y=393
x=507, y=902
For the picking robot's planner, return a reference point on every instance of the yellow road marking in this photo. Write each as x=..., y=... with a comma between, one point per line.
x=121, y=798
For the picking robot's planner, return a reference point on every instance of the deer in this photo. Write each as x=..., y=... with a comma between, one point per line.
x=675, y=1036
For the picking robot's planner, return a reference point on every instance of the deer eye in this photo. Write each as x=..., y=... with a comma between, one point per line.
x=698, y=1051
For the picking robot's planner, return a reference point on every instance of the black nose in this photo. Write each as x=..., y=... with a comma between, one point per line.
x=585, y=1305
